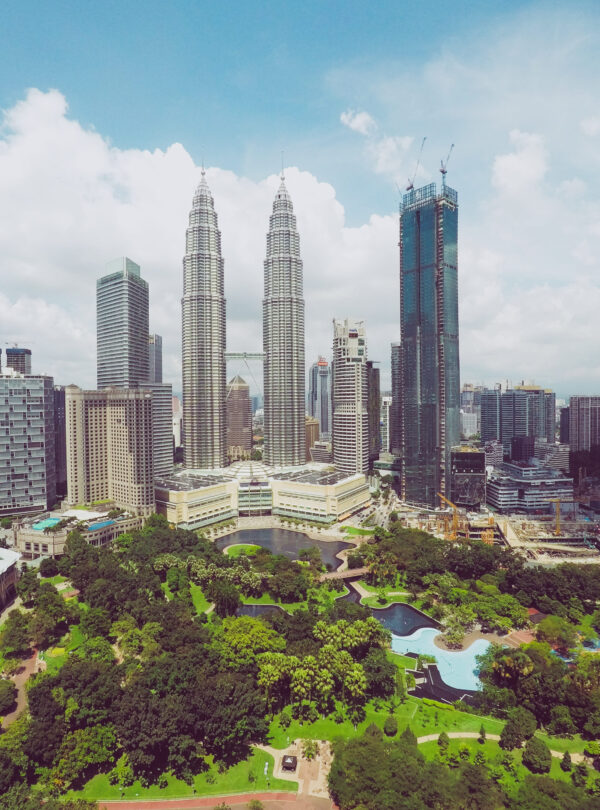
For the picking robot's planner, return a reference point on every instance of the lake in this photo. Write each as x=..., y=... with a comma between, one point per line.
x=285, y=542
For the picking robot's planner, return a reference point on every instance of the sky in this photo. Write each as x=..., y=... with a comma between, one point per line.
x=108, y=110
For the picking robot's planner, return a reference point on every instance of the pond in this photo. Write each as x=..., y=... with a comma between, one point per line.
x=457, y=668
x=288, y=543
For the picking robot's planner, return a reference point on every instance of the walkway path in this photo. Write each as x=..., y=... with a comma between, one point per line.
x=28, y=667
x=271, y=801
x=473, y=735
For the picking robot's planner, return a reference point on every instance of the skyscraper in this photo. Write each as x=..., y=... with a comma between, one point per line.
x=60, y=441
x=19, y=359
x=122, y=325
x=350, y=397
x=155, y=358
x=239, y=419
x=283, y=338
x=374, y=408
x=203, y=337
x=584, y=422
x=430, y=389
x=522, y=411
x=319, y=395
x=395, y=427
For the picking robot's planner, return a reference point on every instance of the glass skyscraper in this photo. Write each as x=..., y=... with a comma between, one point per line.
x=429, y=386
x=319, y=395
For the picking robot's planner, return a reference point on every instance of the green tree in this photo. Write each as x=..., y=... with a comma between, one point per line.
x=443, y=742
x=561, y=723
x=8, y=696
x=565, y=763
x=225, y=596
x=95, y=622
x=537, y=756
x=482, y=734
x=556, y=630
x=390, y=726
x=521, y=725
x=579, y=775
x=28, y=585
x=15, y=635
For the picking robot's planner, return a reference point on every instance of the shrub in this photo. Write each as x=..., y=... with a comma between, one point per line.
x=565, y=763
x=537, y=756
x=48, y=567
x=390, y=727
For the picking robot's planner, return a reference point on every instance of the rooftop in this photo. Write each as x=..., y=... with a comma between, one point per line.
x=7, y=558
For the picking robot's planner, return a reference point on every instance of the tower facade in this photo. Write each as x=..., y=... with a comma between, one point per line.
x=203, y=337
x=430, y=388
x=122, y=325
x=239, y=419
x=350, y=397
x=374, y=409
x=319, y=395
x=155, y=358
x=283, y=338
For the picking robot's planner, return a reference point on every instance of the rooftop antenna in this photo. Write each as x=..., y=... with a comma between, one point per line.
x=444, y=165
x=411, y=180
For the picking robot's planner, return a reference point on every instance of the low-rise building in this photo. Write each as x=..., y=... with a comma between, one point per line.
x=45, y=535
x=9, y=574
x=192, y=500
x=525, y=488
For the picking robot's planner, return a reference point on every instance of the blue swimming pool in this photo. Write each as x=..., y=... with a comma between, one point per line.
x=45, y=524
x=457, y=668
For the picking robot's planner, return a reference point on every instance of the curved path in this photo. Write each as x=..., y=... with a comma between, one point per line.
x=474, y=735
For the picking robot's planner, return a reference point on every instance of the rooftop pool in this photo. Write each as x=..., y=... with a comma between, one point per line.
x=45, y=524
x=457, y=668
x=288, y=543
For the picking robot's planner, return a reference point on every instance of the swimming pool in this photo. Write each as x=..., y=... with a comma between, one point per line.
x=45, y=524
x=457, y=668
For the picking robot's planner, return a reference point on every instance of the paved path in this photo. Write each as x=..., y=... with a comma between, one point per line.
x=344, y=574
x=473, y=735
x=28, y=666
x=271, y=801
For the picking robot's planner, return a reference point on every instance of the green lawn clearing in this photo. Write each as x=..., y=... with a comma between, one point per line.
x=245, y=777
x=56, y=580
x=200, y=601
x=241, y=548
x=56, y=656
x=353, y=530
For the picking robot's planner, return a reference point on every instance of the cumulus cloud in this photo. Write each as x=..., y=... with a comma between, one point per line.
x=360, y=122
x=590, y=126
x=70, y=201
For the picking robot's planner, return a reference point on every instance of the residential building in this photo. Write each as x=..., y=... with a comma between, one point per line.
x=283, y=338
x=374, y=410
x=19, y=359
x=60, y=441
x=109, y=448
x=384, y=420
x=584, y=422
x=350, y=397
x=162, y=426
x=239, y=419
x=9, y=574
x=525, y=410
x=563, y=434
x=525, y=488
x=429, y=391
x=396, y=406
x=155, y=364
x=27, y=452
x=468, y=477
x=319, y=396
x=311, y=427
x=122, y=325
x=203, y=337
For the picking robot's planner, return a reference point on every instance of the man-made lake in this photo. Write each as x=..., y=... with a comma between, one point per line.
x=457, y=668
x=288, y=543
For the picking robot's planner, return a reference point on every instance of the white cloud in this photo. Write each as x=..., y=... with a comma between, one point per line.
x=360, y=122
x=590, y=126
x=520, y=171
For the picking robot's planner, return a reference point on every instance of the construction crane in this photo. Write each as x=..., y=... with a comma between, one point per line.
x=557, y=502
x=454, y=532
x=411, y=180
x=444, y=167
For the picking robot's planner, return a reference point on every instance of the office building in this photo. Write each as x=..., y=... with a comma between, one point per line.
x=319, y=395
x=283, y=338
x=60, y=441
x=9, y=575
x=155, y=359
x=177, y=422
x=109, y=448
x=19, y=359
x=311, y=427
x=162, y=426
x=584, y=423
x=518, y=412
x=350, y=396
x=563, y=434
x=203, y=337
x=27, y=454
x=239, y=419
x=468, y=477
x=429, y=391
x=384, y=421
x=490, y=415
x=396, y=406
x=524, y=488
x=374, y=409
x=122, y=325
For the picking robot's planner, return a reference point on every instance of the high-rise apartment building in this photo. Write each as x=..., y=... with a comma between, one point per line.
x=283, y=338
x=564, y=426
x=374, y=409
x=109, y=447
x=19, y=359
x=386, y=406
x=584, y=422
x=319, y=395
x=350, y=397
x=162, y=426
x=60, y=441
x=525, y=411
x=155, y=372
x=27, y=463
x=122, y=325
x=203, y=337
x=239, y=419
x=396, y=406
x=430, y=390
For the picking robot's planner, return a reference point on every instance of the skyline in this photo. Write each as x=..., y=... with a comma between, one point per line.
x=77, y=195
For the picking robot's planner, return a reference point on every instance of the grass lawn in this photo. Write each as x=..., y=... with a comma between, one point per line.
x=166, y=590
x=56, y=580
x=391, y=599
x=267, y=599
x=353, y=530
x=56, y=656
x=242, y=548
x=323, y=595
x=234, y=780
x=200, y=601
x=401, y=661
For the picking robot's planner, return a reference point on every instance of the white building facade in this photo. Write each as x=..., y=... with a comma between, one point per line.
x=350, y=397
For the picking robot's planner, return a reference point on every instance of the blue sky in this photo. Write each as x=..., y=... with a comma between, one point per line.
x=100, y=159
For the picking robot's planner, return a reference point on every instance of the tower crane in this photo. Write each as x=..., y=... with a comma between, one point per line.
x=444, y=166
x=411, y=180
x=454, y=532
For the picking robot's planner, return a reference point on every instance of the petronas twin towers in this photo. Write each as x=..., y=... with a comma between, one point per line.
x=203, y=333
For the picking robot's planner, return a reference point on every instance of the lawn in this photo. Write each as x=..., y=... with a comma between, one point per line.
x=354, y=530
x=323, y=596
x=237, y=779
x=56, y=656
x=200, y=601
x=56, y=580
x=390, y=599
x=241, y=548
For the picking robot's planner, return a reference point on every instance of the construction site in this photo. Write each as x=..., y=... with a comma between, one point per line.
x=563, y=535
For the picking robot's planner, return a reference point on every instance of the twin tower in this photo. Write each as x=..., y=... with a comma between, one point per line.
x=204, y=337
